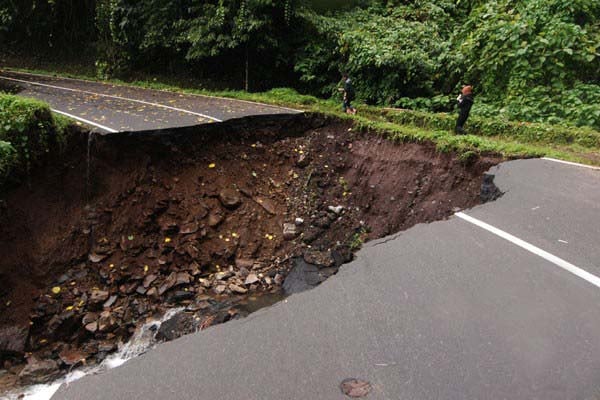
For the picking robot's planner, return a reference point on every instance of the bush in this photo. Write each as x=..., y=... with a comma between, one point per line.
x=523, y=131
x=28, y=132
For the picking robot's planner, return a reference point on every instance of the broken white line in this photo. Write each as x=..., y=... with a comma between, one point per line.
x=85, y=121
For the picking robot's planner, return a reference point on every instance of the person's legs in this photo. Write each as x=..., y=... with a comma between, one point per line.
x=345, y=106
x=460, y=122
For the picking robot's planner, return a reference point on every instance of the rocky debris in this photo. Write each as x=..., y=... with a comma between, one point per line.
x=220, y=289
x=99, y=296
x=251, y=279
x=319, y=258
x=223, y=275
x=215, y=217
x=266, y=204
x=336, y=209
x=302, y=277
x=290, y=231
x=148, y=280
x=72, y=356
x=13, y=340
x=303, y=160
x=96, y=258
x=237, y=289
x=111, y=301
x=299, y=221
x=38, y=372
x=230, y=198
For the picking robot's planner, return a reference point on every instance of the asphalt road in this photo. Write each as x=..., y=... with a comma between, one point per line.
x=446, y=310
x=108, y=108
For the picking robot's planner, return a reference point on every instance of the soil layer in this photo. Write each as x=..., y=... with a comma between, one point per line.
x=204, y=218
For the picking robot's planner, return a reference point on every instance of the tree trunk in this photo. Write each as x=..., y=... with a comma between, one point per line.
x=246, y=84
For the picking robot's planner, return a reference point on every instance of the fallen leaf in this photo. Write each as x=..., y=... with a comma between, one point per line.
x=56, y=289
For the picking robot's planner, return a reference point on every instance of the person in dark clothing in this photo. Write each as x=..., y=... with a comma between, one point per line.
x=349, y=94
x=465, y=102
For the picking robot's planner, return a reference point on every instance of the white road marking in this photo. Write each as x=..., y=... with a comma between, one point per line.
x=113, y=97
x=593, y=279
x=162, y=90
x=570, y=163
x=85, y=121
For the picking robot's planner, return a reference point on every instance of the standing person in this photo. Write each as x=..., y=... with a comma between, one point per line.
x=465, y=102
x=348, y=91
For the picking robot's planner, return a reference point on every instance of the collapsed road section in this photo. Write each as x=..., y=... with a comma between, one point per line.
x=124, y=227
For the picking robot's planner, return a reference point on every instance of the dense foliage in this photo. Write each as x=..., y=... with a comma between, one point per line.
x=532, y=60
x=28, y=132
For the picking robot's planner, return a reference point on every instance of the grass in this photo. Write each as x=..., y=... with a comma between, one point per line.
x=485, y=135
x=28, y=132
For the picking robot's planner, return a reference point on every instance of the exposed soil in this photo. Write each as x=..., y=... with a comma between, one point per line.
x=202, y=218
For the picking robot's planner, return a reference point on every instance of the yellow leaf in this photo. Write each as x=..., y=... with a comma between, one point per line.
x=211, y=165
x=145, y=268
x=167, y=240
x=69, y=308
x=56, y=289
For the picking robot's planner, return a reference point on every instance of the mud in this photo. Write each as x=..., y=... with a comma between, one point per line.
x=200, y=218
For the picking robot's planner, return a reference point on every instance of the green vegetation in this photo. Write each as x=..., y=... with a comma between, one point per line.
x=529, y=60
x=28, y=132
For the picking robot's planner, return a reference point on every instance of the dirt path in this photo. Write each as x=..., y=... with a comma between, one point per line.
x=200, y=220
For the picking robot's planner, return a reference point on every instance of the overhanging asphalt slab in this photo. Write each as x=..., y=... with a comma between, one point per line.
x=553, y=206
x=162, y=109
x=441, y=311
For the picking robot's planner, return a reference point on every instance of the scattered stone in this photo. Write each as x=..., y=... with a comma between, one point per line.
x=99, y=296
x=111, y=301
x=279, y=279
x=141, y=290
x=168, y=283
x=355, y=388
x=92, y=327
x=251, y=279
x=214, y=218
x=267, y=204
x=220, y=289
x=320, y=258
x=299, y=221
x=337, y=209
x=189, y=228
x=179, y=296
x=303, y=276
x=244, y=263
x=72, y=356
x=221, y=276
x=13, y=340
x=303, y=160
x=37, y=372
x=237, y=289
x=96, y=258
x=178, y=325
x=290, y=231
x=152, y=292
x=106, y=323
x=183, y=278
x=149, y=279
x=230, y=198
x=204, y=282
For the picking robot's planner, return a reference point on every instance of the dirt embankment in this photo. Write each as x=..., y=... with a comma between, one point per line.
x=200, y=218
